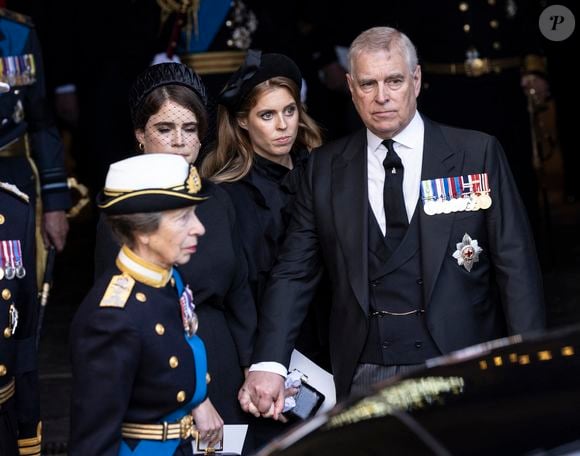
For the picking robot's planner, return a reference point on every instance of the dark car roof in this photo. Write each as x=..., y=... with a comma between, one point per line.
x=516, y=396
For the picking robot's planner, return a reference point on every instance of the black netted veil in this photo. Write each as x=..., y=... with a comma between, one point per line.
x=160, y=75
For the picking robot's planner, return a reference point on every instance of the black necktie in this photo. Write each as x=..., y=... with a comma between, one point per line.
x=393, y=199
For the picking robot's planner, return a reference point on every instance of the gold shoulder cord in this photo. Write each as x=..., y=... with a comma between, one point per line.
x=189, y=8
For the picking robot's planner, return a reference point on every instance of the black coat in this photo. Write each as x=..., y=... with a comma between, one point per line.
x=329, y=229
x=20, y=415
x=264, y=203
x=217, y=275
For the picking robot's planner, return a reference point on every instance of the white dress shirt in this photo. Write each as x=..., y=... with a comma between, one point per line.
x=409, y=146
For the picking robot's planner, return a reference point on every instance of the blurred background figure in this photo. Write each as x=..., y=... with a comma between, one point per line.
x=480, y=59
x=20, y=427
x=31, y=150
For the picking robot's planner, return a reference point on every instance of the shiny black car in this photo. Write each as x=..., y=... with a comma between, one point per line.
x=513, y=396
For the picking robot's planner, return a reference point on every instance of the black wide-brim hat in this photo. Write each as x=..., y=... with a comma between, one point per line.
x=163, y=74
x=256, y=69
x=150, y=183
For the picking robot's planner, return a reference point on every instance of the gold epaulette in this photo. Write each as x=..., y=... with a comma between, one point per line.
x=32, y=445
x=14, y=190
x=16, y=17
x=118, y=291
x=534, y=63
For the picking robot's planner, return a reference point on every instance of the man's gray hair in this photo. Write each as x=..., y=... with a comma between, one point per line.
x=380, y=39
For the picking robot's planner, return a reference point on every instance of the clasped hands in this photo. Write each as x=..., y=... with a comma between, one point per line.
x=263, y=394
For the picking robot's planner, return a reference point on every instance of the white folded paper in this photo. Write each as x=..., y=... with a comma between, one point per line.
x=317, y=377
x=234, y=436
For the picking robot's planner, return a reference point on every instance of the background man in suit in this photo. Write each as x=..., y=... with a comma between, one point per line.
x=431, y=256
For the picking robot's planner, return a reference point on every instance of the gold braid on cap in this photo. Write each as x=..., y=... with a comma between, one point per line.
x=193, y=182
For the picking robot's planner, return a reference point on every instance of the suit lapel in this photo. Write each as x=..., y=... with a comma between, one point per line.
x=439, y=160
x=350, y=211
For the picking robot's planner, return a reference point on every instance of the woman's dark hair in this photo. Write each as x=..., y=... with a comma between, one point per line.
x=179, y=94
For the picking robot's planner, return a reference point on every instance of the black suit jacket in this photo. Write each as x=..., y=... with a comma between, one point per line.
x=502, y=293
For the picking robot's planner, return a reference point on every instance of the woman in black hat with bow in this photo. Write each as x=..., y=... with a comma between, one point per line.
x=265, y=138
x=139, y=368
x=167, y=103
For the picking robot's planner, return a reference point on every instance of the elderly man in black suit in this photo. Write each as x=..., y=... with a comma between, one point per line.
x=420, y=227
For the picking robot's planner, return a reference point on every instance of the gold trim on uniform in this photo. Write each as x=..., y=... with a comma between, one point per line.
x=218, y=62
x=193, y=182
x=16, y=17
x=472, y=67
x=7, y=391
x=118, y=291
x=141, y=270
x=181, y=429
x=150, y=192
x=13, y=189
x=32, y=445
x=534, y=63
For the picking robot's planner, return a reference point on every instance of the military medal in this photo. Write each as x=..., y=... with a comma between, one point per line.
x=429, y=207
x=467, y=252
x=20, y=271
x=18, y=70
x=446, y=196
x=9, y=271
x=484, y=199
x=1, y=264
x=188, y=315
x=428, y=198
x=13, y=318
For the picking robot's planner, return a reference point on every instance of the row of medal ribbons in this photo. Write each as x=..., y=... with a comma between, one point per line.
x=455, y=194
x=11, y=263
x=18, y=70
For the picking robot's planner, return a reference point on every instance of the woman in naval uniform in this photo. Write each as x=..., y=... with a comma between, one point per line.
x=167, y=103
x=139, y=369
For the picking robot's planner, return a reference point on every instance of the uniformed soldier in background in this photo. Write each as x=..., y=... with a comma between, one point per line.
x=20, y=427
x=479, y=60
x=31, y=151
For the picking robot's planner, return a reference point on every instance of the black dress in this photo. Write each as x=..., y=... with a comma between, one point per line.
x=264, y=200
x=217, y=275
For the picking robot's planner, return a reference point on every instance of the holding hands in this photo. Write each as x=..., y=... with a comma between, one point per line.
x=263, y=393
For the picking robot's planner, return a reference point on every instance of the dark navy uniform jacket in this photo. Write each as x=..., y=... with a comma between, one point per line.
x=131, y=361
x=17, y=339
x=23, y=109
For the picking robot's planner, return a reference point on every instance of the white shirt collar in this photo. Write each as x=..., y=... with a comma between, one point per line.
x=411, y=136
